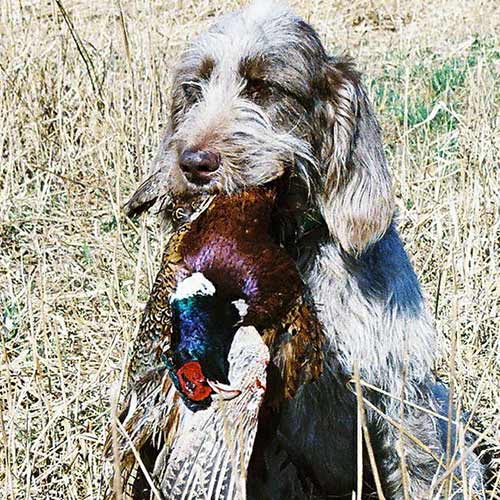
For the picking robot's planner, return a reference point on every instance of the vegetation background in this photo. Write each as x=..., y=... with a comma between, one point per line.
x=84, y=91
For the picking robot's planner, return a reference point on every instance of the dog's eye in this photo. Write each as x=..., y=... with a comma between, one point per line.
x=258, y=89
x=192, y=91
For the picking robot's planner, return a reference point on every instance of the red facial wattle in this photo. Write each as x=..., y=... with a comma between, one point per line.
x=192, y=381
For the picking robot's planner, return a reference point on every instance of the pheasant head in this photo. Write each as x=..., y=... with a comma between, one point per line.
x=204, y=322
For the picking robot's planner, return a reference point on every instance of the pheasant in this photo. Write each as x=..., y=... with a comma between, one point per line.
x=222, y=278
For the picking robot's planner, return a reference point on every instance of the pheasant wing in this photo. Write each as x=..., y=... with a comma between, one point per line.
x=297, y=348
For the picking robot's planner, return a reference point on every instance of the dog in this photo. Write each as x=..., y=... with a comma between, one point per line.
x=257, y=98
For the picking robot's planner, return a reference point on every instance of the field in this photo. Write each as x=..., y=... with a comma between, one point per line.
x=84, y=91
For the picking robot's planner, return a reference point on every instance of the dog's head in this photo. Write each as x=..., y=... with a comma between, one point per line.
x=256, y=98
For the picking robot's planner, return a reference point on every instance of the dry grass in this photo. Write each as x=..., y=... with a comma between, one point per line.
x=81, y=110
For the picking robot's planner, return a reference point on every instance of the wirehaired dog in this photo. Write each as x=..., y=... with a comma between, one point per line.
x=256, y=98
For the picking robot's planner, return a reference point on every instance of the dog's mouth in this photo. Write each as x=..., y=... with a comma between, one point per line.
x=199, y=179
x=201, y=183
x=234, y=180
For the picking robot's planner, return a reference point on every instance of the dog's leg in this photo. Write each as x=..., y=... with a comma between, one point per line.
x=413, y=450
x=410, y=449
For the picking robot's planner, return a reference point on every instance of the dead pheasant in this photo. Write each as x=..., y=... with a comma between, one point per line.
x=222, y=273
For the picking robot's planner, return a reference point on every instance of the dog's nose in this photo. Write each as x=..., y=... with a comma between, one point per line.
x=198, y=164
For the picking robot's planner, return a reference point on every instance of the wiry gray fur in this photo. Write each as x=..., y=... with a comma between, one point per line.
x=259, y=89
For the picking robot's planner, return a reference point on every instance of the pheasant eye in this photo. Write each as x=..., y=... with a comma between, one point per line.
x=193, y=382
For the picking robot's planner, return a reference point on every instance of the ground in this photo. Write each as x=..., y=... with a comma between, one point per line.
x=83, y=98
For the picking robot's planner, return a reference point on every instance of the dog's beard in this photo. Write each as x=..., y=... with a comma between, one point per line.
x=252, y=150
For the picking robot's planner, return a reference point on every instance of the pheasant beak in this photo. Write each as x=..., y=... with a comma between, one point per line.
x=196, y=387
x=224, y=391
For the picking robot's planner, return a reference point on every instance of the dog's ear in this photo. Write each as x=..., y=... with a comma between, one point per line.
x=156, y=185
x=356, y=197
